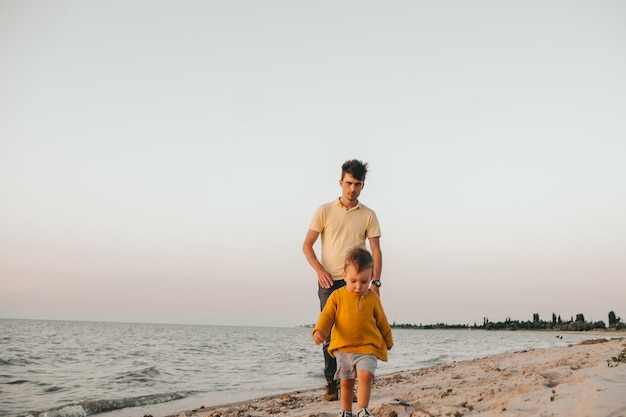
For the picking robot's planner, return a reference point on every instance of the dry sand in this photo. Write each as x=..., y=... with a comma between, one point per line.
x=576, y=381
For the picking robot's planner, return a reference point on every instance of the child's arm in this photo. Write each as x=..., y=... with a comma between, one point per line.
x=383, y=326
x=326, y=319
x=318, y=337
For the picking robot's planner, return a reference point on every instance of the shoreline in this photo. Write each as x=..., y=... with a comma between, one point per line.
x=586, y=379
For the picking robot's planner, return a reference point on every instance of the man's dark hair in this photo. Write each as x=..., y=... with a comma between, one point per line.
x=355, y=168
x=361, y=258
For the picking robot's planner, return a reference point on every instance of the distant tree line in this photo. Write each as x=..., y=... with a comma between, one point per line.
x=573, y=324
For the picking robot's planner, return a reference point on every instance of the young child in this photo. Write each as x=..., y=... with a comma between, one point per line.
x=361, y=332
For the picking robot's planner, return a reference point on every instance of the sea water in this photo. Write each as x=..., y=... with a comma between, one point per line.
x=76, y=369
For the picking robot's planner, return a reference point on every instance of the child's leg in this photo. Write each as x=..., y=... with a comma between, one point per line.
x=347, y=385
x=364, y=389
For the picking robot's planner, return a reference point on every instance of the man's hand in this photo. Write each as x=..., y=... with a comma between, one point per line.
x=324, y=278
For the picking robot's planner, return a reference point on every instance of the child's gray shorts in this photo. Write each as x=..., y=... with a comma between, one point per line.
x=349, y=363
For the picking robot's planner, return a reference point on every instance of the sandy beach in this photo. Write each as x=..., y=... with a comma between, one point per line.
x=584, y=380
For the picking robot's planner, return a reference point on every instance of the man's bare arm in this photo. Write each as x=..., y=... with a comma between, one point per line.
x=323, y=277
x=378, y=260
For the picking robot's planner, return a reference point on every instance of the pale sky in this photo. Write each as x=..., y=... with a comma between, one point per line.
x=160, y=161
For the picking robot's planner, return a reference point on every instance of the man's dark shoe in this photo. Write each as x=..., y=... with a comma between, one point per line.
x=331, y=391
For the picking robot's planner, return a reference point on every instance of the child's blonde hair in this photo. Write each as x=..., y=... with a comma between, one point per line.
x=360, y=258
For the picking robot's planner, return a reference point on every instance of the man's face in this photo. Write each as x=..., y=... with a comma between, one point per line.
x=351, y=187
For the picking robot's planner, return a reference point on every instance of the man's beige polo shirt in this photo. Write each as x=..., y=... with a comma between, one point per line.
x=340, y=230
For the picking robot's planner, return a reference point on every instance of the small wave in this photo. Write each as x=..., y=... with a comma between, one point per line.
x=434, y=361
x=139, y=375
x=17, y=362
x=17, y=382
x=53, y=389
x=101, y=406
x=87, y=408
x=68, y=411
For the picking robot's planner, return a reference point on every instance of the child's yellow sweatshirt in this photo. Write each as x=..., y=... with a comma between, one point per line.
x=360, y=324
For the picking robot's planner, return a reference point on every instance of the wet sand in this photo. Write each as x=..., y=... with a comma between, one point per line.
x=584, y=380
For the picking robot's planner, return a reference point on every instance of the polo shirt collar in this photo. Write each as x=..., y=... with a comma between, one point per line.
x=339, y=205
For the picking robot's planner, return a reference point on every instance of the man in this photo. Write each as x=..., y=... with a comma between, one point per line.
x=342, y=224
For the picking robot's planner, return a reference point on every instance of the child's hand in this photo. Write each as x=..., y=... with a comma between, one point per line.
x=318, y=337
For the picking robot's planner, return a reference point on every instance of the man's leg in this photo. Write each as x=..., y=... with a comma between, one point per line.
x=330, y=363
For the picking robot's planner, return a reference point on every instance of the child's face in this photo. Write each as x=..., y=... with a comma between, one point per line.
x=357, y=283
